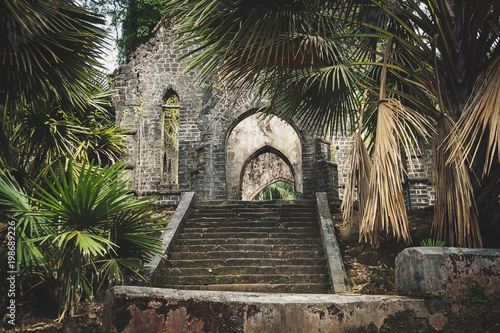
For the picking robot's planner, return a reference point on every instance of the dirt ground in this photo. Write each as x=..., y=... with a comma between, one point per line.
x=370, y=271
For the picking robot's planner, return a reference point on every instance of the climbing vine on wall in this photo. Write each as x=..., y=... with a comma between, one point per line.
x=140, y=17
x=171, y=138
x=133, y=21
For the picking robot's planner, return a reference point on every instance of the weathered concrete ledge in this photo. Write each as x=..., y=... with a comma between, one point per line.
x=168, y=236
x=334, y=257
x=141, y=309
x=422, y=270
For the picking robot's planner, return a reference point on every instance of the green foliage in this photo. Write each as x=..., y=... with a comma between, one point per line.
x=140, y=17
x=171, y=123
x=48, y=46
x=16, y=206
x=54, y=109
x=278, y=190
x=431, y=242
x=53, y=99
x=98, y=233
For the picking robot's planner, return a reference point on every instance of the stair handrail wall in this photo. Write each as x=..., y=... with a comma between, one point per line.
x=181, y=214
x=336, y=267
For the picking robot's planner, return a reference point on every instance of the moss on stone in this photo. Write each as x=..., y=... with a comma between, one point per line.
x=474, y=312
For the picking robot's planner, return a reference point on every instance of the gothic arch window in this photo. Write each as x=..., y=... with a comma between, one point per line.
x=170, y=114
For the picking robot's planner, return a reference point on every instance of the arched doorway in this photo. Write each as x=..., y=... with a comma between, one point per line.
x=265, y=167
x=254, y=141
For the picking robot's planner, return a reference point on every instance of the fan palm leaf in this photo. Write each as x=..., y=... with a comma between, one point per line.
x=296, y=52
x=49, y=45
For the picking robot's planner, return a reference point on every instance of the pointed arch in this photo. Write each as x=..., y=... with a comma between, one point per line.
x=250, y=136
x=264, y=167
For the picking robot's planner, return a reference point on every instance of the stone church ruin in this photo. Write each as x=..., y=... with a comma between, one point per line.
x=186, y=137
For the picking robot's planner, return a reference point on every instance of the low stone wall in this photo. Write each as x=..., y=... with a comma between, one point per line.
x=137, y=309
x=338, y=276
x=424, y=270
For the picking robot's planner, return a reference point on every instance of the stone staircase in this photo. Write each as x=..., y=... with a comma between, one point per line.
x=267, y=246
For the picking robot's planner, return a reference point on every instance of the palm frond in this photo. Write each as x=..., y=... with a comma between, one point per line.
x=17, y=207
x=481, y=116
x=455, y=216
x=49, y=45
x=358, y=176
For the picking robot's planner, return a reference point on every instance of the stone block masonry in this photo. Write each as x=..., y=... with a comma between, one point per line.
x=136, y=309
x=423, y=270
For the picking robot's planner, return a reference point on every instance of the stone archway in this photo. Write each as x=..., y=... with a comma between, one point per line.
x=251, y=137
x=265, y=167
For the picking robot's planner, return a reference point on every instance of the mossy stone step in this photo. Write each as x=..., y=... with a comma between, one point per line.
x=247, y=235
x=246, y=247
x=237, y=270
x=242, y=278
x=232, y=240
x=309, y=288
x=260, y=224
x=238, y=229
x=244, y=254
x=249, y=262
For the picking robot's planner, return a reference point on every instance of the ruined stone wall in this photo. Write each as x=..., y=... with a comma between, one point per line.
x=418, y=189
x=140, y=86
x=262, y=171
x=252, y=135
x=340, y=149
x=207, y=118
x=420, y=193
x=217, y=124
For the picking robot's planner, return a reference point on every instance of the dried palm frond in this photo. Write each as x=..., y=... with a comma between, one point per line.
x=358, y=176
x=481, y=114
x=397, y=127
x=359, y=165
x=385, y=207
x=455, y=217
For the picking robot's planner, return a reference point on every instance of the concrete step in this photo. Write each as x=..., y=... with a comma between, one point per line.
x=243, y=279
x=244, y=254
x=238, y=270
x=309, y=288
x=263, y=241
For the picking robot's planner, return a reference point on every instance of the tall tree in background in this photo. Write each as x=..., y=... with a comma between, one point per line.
x=140, y=18
x=133, y=20
x=427, y=69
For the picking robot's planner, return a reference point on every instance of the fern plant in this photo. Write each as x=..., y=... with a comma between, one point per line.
x=431, y=242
